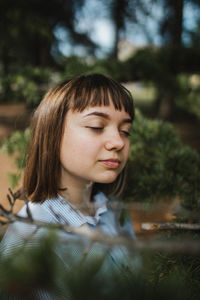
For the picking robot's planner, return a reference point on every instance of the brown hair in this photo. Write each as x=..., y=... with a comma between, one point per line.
x=42, y=172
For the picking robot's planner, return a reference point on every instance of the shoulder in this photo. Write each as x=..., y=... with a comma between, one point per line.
x=116, y=216
x=19, y=231
x=38, y=212
x=47, y=211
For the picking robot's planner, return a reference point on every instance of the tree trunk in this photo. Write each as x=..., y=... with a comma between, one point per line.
x=118, y=14
x=114, y=54
x=165, y=106
x=5, y=72
x=172, y=28
x=178, y=23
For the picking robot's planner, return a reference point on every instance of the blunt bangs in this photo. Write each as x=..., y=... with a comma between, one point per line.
x=98, y=90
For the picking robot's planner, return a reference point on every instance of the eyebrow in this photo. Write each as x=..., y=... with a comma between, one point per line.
x=106, y=116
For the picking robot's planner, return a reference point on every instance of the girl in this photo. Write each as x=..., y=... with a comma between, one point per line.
x=78, y=151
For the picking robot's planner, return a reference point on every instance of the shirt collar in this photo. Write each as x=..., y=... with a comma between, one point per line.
x=65, y=213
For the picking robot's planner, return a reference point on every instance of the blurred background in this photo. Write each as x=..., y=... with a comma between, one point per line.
x=151, y=46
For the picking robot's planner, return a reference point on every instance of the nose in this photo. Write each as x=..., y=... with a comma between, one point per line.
x=114, y=141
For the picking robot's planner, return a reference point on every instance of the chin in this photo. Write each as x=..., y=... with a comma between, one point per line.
x=108, y=179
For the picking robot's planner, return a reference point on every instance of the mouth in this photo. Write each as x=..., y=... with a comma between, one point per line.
x=111, y=163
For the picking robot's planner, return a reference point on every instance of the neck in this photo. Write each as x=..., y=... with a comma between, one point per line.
x=79, y=194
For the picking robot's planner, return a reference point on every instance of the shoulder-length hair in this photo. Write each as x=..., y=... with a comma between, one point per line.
x=43, y=168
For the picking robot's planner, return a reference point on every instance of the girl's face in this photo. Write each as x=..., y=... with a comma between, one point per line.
x=94, y=145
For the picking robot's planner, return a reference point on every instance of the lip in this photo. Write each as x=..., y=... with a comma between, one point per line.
x=111, y=163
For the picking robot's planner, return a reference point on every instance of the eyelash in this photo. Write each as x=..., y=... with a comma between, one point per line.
x=126, y=133
x=101, y=128
x=95, y=128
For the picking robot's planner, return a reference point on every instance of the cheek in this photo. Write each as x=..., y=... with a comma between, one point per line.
x=83, y=146
x=76, y=147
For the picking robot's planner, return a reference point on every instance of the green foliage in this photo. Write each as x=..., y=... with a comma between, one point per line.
x=28, y=268
x=188, y=100
x=26, y=84
x=17, y=145
x=112, y=68
x=164, y=267
x=151, y=63
x=14, y=179
x=160, y=166
x=159, y=64
x=18, y=142
x=170, y=72
x=75, y=66
x=31, y=268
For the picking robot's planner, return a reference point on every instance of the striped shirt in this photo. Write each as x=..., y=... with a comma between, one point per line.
x=60, y=211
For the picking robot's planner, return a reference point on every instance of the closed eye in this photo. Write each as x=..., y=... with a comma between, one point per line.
x=127, y=133
x=95, y=128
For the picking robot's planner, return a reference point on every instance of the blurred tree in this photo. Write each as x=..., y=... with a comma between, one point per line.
x=27, y=30
x=121, y=13
x=178, y=56
x=172, y=23
x=164, y=64
x=27, y=34
x=195, y=36
x=171, y=29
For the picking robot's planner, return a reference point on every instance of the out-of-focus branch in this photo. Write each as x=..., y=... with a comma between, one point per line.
x=185, y=246
x=168, y=226
x=117, y=205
